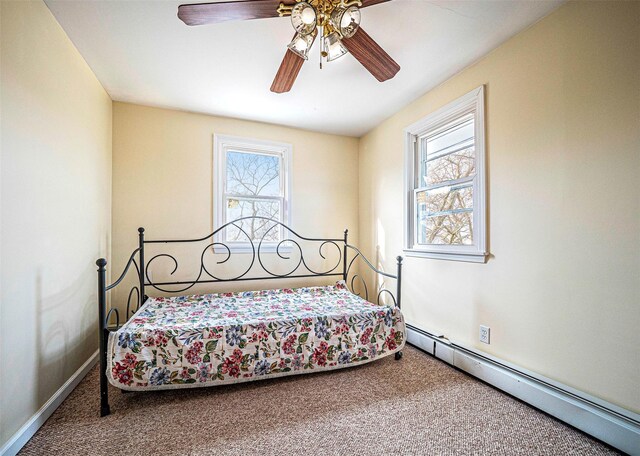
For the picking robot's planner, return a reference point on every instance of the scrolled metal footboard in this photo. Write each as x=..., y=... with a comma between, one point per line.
x=382, y=290
x=286, y=245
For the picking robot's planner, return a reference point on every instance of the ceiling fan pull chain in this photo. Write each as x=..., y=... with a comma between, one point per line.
x=321, y=45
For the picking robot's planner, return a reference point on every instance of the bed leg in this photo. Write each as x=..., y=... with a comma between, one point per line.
x=104, y=392
x=398, y=356
x=104, y=410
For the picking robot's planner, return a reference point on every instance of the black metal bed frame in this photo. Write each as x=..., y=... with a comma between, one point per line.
x=343, y=248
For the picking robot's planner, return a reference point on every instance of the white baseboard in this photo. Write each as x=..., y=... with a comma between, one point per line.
x=22, y=436
x=607, y=422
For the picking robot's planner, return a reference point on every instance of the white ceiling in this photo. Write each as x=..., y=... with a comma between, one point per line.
x=142, y=53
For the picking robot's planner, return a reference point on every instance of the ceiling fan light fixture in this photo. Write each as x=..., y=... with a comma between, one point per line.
x=335, y=23
x=346, y=20
x=304, y=18
x=334, y=47
x=301, y=44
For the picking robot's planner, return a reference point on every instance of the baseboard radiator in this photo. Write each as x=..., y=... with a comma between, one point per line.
x=611, y=424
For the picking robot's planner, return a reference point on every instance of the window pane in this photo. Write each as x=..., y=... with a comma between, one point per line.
x=445, y=215
x=450, y=167
x=457, y=133
x=253, y=174
x=452, y=229
x=256, y=228
x=446, y=199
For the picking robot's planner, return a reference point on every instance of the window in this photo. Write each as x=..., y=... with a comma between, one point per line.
x=251, y=179
x=445, y=184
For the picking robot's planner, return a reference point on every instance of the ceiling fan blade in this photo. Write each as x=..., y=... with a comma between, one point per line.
x=287, y=73
x=366, y=3
x=239, y=10
x=371, y=55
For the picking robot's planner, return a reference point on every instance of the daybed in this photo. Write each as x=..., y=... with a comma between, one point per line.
x=221, y=338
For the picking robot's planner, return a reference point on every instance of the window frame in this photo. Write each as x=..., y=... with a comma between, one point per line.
x=221, y=145
x=472, y=102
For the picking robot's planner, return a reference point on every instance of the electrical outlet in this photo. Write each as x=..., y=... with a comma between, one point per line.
x=485, y=334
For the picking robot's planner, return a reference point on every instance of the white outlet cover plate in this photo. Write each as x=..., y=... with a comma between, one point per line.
x=485, y=334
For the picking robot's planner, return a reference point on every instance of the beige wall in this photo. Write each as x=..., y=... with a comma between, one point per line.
x=55, y=209
x=163, y=180
x=561, y=291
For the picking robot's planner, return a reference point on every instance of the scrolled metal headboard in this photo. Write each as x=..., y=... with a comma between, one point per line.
x=291, y=239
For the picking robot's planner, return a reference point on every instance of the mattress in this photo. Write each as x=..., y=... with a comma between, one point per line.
x=215, y=339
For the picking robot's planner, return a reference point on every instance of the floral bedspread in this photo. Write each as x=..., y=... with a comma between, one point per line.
x=211, y=339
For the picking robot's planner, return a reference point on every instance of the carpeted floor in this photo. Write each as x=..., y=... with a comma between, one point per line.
x=416, y=406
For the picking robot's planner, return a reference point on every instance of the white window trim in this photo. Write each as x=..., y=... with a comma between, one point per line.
x=221, y=143
x=476, y=253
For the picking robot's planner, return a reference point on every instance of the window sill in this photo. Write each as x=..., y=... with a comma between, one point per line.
x=246, y=248
x=466, y=257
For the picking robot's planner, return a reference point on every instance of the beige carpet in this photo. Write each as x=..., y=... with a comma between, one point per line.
x=418, y=405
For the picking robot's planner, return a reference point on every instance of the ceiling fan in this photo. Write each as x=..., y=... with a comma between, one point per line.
x=337, y=22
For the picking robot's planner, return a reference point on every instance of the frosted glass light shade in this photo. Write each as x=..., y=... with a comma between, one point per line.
x=346, y=20
x=334, y=47
x=301, y=44
x=303, y=18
